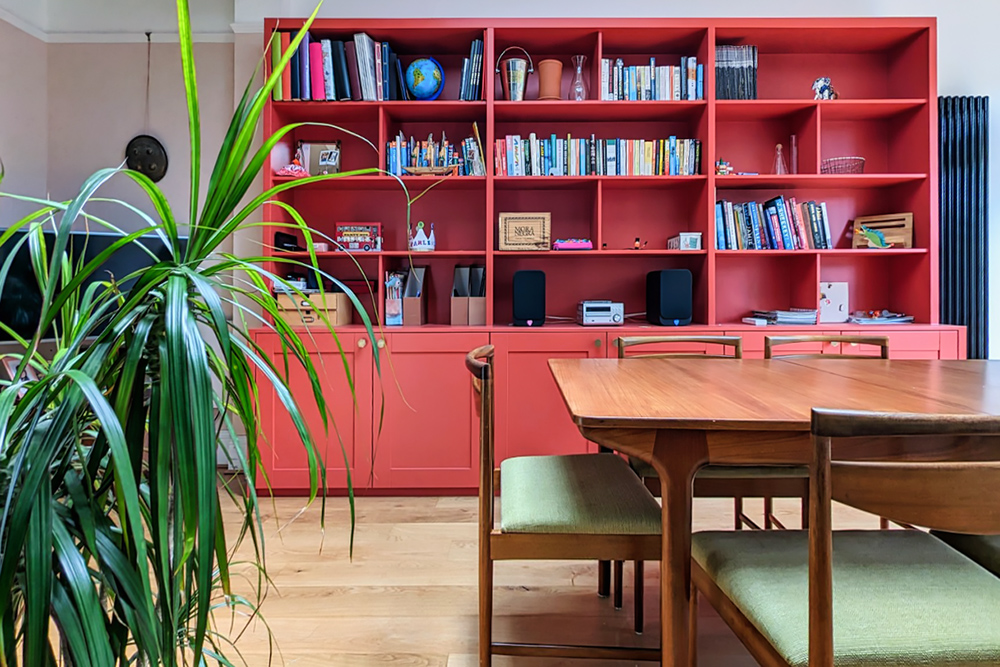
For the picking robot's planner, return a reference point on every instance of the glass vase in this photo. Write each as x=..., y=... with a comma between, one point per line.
x=578, y=88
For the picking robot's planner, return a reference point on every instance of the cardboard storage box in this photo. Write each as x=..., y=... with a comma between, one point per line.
x=415, y=297
x=467, y=306
x=302, y=310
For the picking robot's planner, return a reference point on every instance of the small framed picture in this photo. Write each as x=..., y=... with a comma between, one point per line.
x=320, y=159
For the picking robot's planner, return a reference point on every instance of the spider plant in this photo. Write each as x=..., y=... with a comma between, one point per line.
x=111, y=535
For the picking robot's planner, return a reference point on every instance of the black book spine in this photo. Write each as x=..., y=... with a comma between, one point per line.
x=341, y=82
x=294, y=65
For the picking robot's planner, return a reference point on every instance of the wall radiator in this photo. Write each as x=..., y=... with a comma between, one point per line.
x=964, y=242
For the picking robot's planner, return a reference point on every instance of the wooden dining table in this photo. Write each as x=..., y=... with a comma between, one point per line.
x=681, y=414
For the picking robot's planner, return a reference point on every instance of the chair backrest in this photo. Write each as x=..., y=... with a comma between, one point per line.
x=480, y=364
x=622, y=343
x=771, y=342
x=956, y=493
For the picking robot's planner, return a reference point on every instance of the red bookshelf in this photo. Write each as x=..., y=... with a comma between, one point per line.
x=885, y=72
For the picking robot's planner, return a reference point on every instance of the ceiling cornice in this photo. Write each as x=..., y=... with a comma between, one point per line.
x=23, y=24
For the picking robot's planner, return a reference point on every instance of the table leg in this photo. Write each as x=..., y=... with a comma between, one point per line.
x=677, y=456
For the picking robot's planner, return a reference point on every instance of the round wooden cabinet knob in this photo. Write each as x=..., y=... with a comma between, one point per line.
x=381, y=343
x=362, y=342
x=597, y=342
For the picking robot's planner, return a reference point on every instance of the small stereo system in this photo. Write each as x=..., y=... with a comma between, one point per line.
x=600, y=313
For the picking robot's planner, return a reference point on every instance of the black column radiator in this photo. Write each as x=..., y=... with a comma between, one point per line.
x=964, y=241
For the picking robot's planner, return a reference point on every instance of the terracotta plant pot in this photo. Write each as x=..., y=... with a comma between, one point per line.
x=549, y=79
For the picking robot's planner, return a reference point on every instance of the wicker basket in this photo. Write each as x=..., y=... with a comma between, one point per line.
x=842, y=165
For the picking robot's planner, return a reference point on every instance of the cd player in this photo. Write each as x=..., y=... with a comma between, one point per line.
x=600, y=313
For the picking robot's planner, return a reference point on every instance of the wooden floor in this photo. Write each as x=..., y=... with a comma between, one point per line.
x=408, y=597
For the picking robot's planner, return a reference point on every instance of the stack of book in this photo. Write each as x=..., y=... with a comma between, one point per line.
x=777, y=224
x=795, y=316
x=464, y=159
x=736, y=72
x=556, y=156
x=471, y=88
x=652, y=82
x=879, y=317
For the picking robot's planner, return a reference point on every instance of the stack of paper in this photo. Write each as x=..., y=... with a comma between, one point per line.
x=793, y=316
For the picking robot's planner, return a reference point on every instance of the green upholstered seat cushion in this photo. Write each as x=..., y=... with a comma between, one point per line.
x=984, y=549
x=900, y=598
x=643, y=469
x=593, y=494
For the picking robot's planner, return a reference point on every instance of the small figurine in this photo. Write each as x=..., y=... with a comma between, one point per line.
x=824, y=89
x=780, y=166
x=876, y=239
x=723, y=168
x=420, y=241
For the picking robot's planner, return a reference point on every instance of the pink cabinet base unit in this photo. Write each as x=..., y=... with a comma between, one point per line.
x=413, y=430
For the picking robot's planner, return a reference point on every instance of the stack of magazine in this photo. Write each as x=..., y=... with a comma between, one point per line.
x=793, y=316
x=879, y=317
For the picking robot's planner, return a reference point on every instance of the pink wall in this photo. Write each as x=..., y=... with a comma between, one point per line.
x=23, y=119
x=97, y=96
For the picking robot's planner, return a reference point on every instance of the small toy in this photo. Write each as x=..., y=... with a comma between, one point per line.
x=421, y=242
x=361, y=237
x=573, y=244
x=723, y=168
x=295, y=168
x=824, y=89
x=876, y=239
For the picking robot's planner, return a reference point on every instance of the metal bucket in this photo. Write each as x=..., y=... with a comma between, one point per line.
x=514, y=74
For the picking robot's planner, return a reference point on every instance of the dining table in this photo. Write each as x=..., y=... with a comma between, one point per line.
x=680, y=414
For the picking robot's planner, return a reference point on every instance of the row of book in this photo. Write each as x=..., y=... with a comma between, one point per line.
x=776, y=224
x=411, y=156
x=471, y=87
x=736, y=72
x=359, y=69
x=652, y=82
x=557, y=156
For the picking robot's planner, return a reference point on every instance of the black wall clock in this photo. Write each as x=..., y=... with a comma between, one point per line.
x=147, y=155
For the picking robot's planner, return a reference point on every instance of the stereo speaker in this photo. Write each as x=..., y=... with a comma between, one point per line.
x=668, y=297
x=529, y=298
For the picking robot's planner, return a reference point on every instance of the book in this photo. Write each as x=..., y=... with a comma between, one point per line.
x=377, y=49
x=341, y=74
x=317, y=76
x=275, y=63
x=295, y=78
x=305, y=74
x=329, y=85
x=351, y=54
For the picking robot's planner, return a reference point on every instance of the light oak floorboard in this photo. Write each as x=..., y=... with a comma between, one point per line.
x=407, y=597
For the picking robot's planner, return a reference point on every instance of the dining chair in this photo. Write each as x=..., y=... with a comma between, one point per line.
x=712, y=481
x=820, y=598
x=809, y=340
x=566, y=507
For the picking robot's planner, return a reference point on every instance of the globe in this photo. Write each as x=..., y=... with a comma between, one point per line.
x=425, y=79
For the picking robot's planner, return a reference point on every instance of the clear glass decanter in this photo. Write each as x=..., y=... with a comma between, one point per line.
x=578, y=89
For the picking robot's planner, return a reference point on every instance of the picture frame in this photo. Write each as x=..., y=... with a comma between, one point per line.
x=321, y=158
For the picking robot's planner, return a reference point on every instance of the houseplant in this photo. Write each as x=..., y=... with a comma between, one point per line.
x=111, y=532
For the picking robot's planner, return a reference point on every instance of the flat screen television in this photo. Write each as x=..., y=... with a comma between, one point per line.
x=21, y=298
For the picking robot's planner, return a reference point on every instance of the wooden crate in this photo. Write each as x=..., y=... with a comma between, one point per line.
x=897, y=228
x=525, y=231
x=304, y=310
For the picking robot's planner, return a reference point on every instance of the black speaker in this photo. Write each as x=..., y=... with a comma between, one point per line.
x=529, y=298
x=668, y=297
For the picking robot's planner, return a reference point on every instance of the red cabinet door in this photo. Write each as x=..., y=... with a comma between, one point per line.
x=350, y=422
x=531, y=417
x=429, y=435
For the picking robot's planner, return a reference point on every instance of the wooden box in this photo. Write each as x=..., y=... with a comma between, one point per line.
x=525, y=231
x=897, y=228
x=303, y=310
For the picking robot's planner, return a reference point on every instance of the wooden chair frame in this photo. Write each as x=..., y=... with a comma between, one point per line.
x=495, y=545
x=943, y=493
x=771, y=342
x=735, y=488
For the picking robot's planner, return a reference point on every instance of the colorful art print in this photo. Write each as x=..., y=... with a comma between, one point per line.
x=360, y=236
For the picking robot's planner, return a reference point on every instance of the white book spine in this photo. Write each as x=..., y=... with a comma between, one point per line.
x=692, y=78
x=605, y=78
x=676, y=70
x=328, y=87
x=828, y=240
